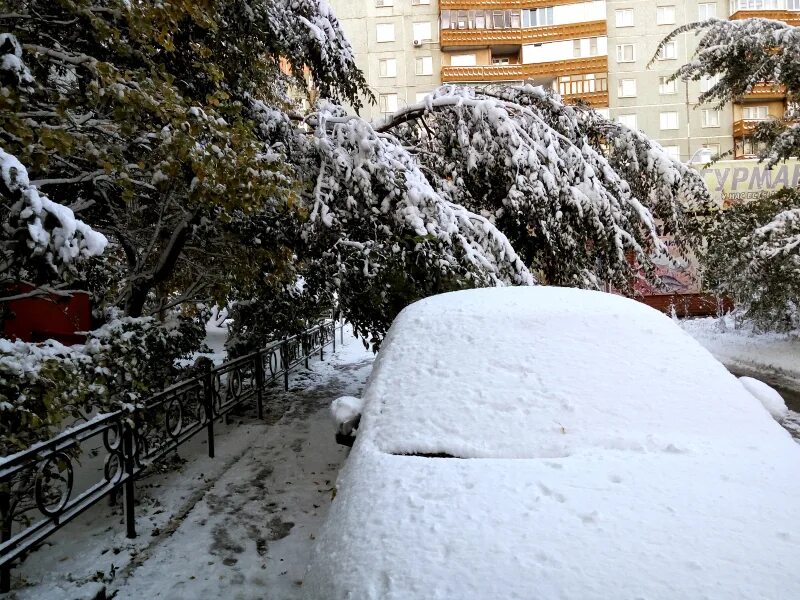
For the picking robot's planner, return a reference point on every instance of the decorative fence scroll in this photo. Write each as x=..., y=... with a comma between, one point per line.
x=45, y=487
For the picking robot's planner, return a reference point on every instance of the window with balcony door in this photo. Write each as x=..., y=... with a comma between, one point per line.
x=384, y=32
x=756, y=4
x=463, y=60
x=710, y=117
x=792, y=4
x=668, y=120
x=749, y=147
x=582, y=84
x=706, y=83
x=496, y=19
x=626, y=88
x=422, y=31
x=665, y=86
x=387, y=67
x=706, y=10
x=665, y=15
x=755, y=113
x=673, y=151
x=623, y=17
x=387, y=103
x=625, y=53
x=500, y=60
x=628, y=120
x=424, y=65
x=668, y=51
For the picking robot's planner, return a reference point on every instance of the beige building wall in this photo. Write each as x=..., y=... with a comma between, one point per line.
x=695, y=126
x=398, y=70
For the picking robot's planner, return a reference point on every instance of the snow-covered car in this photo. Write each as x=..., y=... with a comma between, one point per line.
x=538, y=443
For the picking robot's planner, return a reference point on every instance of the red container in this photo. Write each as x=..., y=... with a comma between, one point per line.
x=48, y=317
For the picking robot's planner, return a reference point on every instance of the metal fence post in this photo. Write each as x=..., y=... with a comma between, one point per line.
x=285, y=361
x=259, y=385
x=130, y=463
x=341, y=331
x=333, y=335
x=208, y=402
x=321, y=342
x=306, y=346
x=5, y=535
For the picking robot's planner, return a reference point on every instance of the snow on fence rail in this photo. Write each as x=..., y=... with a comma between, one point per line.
x=37, y=495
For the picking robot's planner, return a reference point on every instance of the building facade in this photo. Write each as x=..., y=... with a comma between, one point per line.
x=599, y=51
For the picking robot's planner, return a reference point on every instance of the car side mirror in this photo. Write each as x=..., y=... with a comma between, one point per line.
x=346, y=412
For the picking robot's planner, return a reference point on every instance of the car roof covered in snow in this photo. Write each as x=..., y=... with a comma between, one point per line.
x=585, y=447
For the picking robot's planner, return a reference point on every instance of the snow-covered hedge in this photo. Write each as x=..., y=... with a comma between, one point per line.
x=43, y=385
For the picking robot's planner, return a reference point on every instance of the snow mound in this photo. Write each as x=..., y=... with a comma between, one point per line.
x=346, y=412
x=768, y=396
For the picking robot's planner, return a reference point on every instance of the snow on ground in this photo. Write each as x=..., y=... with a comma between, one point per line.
x=773, y=358
x=561, y=444
x=772, y=355
x=238, y=526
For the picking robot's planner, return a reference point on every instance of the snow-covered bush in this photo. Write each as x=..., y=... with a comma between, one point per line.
x=42, y=385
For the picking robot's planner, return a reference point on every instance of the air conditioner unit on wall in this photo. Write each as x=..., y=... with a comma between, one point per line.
x=417, y=43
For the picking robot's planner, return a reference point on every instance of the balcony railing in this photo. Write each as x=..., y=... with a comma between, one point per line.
x=592, y=91
x=766, y=91
x=502, y=4
x=555, y=69
x=779, y=10
x=745, y=127
x=524, y=35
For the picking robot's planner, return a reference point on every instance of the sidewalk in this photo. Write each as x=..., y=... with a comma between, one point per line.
x=240, y=526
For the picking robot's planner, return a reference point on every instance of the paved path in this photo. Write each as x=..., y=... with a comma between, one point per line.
x=243, y=530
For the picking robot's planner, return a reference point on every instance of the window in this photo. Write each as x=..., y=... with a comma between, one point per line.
x=665, y=15
x=628, y=120
x=593, y=46
x=624, y=17
x=673, y=151
x=626, y=88
x=668, y=51
x=755, y=113
x=463, y=60
x=384, y=32
x=500, y=60
x=625, y=53
x=387, y=67
x=708, y=152
x=665, y=86
x=576, y=48
x=420, y=96
x=420, y=2
x=706, y=83
x=756, y=4
x=793, y=4
x=710, y=117
x=536, y=17
x=749, y=147
x=382, y=3
x=706, y=10
x=422, y=31
x=388, y=103
x=424, y=65
x=668, y=120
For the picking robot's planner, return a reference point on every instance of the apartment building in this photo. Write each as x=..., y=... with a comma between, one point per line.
x=598, y=51
x=561, y=44
x=396, y=45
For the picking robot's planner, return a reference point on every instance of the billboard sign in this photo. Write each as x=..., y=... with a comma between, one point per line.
x=735, y=181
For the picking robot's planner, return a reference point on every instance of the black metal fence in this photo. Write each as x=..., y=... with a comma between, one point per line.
x=108, y=453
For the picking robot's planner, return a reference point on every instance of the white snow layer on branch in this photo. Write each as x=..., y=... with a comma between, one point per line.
x=780, y=237
x=54, y=231
x=377, y=175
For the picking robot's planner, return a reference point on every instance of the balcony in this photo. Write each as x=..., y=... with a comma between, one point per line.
x=787, y=11
x=500, y=4
x=765, y=91
x=527, y=35
x=744, y=127
x=592, y=91
x=555, y=69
